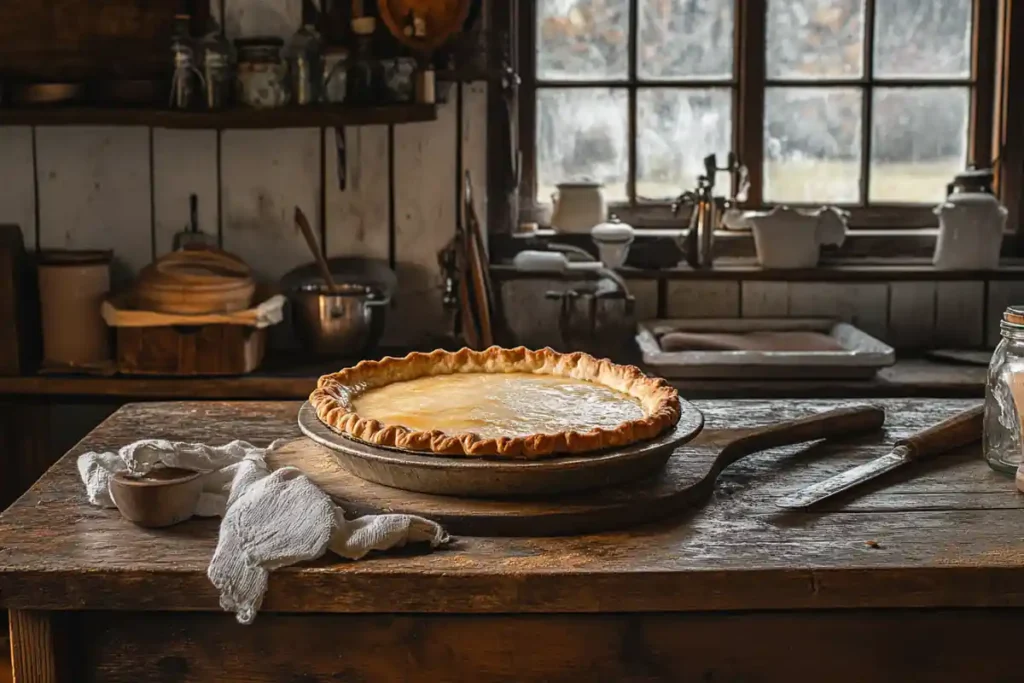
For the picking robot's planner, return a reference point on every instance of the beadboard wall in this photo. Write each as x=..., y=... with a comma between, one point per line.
x=127, y=188
x=907, y=314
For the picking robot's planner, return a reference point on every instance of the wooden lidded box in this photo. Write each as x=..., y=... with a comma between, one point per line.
x=218, y=344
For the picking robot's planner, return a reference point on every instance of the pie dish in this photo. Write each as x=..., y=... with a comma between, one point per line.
x=508, y=403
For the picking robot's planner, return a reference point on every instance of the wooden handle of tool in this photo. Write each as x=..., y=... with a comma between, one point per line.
x=955, y=432
x=314, y=248
x=840, y=422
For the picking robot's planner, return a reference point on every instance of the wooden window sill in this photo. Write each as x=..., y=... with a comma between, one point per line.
x=891, y=247
x=860, y=270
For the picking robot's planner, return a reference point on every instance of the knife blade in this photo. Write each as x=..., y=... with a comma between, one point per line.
x=957, y=431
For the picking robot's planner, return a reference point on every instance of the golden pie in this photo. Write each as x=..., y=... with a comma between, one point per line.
x=512, y=403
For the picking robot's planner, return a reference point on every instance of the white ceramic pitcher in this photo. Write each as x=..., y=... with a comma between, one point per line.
x=578, y=207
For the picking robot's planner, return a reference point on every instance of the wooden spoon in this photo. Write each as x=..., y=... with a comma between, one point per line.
x=314, y=248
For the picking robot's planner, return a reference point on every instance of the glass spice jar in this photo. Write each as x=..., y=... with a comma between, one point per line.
x=305, y=57
x=262, y=78
x=1001, y=441
x=217, y=70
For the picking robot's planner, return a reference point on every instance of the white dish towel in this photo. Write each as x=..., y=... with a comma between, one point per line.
x=270, y=519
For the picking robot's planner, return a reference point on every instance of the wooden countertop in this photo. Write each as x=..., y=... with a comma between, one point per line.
x=290, y=380
x=945, y=533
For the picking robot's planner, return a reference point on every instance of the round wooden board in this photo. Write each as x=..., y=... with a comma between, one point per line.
x=489, y=478
x=676, y=487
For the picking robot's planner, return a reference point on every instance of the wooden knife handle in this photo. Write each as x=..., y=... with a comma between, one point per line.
x=955, y=432
x=840, y=422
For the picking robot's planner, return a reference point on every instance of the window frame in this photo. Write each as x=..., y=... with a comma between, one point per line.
x=748, y=85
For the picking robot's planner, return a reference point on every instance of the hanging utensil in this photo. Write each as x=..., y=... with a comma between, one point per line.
x=957, y=431
x=314, y=248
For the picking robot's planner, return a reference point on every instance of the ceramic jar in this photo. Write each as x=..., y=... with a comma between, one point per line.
x=262, y=73
x=578, y=207
x=72, y=287
x=970, y=231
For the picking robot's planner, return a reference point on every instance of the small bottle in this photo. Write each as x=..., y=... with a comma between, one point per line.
x=218, y=70
x=186, y=81
x=1001, y=440
x=365, y=79
x=306, y=65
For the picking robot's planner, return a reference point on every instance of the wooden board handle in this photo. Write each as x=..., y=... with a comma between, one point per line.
x=839, y=422
x=955, y=432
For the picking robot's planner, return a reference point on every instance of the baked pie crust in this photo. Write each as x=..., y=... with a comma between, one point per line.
x=593, y=396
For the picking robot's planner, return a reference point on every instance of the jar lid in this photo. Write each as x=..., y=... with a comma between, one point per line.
x=73, y=257
x=364, y=26
x=1014, y=315
x=259, y=41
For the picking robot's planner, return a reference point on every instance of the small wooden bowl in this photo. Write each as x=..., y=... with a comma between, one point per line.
x=161, y=498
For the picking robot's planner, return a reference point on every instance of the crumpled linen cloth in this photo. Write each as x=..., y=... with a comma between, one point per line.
x=270, y=519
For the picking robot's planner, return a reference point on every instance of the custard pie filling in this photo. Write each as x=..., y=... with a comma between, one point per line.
x=510, y=403
x=498, y=405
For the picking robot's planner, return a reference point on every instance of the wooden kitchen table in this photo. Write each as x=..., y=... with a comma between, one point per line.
x=866, y=588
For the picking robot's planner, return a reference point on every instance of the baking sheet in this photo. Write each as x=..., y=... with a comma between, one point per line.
x=862, y=355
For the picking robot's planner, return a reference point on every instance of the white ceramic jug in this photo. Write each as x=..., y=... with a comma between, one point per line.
x=788, y=238
x=970, y=231
x=578, y=207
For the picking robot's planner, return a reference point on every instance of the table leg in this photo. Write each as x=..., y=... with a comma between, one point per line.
x=33, y=651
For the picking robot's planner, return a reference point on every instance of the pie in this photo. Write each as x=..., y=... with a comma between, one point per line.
x=510, y=403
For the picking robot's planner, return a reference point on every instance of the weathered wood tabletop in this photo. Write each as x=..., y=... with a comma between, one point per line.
x=759, y=593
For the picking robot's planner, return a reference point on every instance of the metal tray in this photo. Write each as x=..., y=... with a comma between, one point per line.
x=863, y=355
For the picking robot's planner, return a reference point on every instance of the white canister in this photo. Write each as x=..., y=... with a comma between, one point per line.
x=72, y=287
x=970, y=231
x=578, y=207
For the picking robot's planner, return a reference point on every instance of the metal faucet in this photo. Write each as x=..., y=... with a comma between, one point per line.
x=699, y=242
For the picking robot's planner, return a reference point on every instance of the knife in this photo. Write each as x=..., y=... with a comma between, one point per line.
x=957, y=431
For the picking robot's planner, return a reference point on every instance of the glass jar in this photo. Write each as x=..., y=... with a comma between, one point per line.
x=335, y=73
x=1002, y=444
x=364, y=82
x=305, y=65
x=262, y=80
x=217, y=70
x=187, y=82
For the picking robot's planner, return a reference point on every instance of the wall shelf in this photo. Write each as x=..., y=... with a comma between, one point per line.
x=237, y=118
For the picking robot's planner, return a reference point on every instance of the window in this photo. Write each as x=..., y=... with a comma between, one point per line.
x=869, y=104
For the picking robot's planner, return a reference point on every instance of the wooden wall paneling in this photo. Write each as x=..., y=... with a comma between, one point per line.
x=265, y=174
x=959, y=314
x=911, y=314
x=425, y=219
x=646, y=294
x=474, y=144
x=532, y=319
x=94, y=192
x=246, y=18
x=703, y=299
x=356, y=220
x=866, y=306
x=814, y=299
x=1001, y=294
x=17, y=181
x=184, y=162
x=764, y=299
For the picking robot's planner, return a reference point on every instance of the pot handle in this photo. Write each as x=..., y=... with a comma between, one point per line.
x=379, y=302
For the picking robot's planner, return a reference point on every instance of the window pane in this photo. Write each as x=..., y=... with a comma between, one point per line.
x=581, y=135
x=679, y=40
x=582, y=40
x=676, y=129
x=812, y=145
x=915, y=38
x=918, y=142
x=816, y=38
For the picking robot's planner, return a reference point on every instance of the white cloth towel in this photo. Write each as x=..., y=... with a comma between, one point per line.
x=270, y=519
